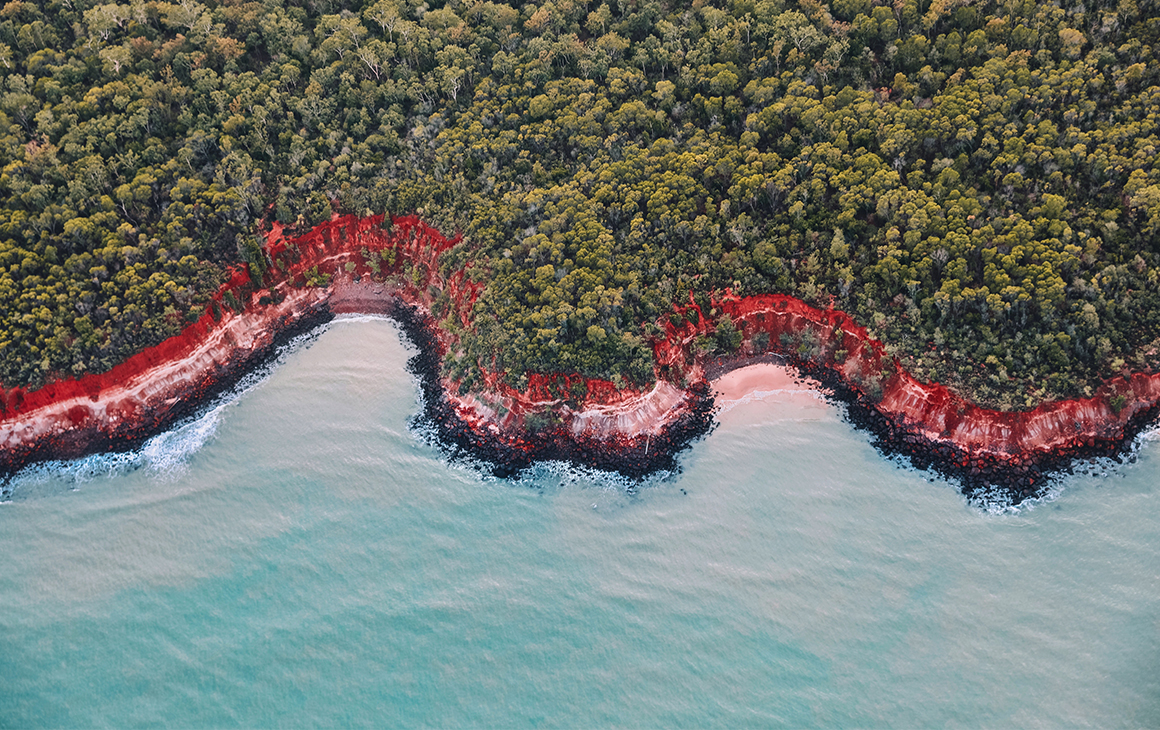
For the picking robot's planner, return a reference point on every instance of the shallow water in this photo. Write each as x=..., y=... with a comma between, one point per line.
x=300, y=557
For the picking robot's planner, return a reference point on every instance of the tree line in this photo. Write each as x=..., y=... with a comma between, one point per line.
x=975, y=182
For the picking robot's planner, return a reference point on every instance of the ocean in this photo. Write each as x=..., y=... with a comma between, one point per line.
x=302, y=555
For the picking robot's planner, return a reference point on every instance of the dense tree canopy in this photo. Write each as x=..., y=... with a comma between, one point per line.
x=974, y=181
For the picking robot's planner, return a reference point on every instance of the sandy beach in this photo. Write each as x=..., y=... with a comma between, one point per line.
x=743, y=382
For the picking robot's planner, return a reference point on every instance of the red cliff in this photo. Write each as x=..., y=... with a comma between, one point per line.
x=830, y=339
x=353, y=264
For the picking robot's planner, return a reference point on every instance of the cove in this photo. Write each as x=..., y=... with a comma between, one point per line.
x=314, y=564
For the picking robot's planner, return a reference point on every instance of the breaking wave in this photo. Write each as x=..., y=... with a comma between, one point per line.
x=165, y=456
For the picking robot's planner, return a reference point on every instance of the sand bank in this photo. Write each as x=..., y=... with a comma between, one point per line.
x=740, y=384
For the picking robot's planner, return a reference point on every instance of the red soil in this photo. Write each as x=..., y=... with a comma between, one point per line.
x=929, y=410
x=370, y=265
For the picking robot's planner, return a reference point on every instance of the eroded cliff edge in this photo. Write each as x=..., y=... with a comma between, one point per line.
x=353, y=264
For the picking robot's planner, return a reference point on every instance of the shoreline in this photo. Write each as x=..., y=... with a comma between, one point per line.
x=366, y=265
x=759, y=376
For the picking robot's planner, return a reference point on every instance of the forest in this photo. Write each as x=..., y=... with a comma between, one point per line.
x=975, y=181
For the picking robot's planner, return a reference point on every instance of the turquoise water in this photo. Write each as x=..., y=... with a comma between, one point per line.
x=299, y=557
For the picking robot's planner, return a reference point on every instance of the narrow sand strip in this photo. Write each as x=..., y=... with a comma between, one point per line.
x=737, y=385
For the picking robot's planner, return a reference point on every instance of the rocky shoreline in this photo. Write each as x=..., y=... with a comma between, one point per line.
x=506, y=454
x=365, y=265
x=186, y=403
x=1014, y=477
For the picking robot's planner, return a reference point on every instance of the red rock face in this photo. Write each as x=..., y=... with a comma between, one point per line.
x=73, y=416
x=400, y=261
x=832, y=340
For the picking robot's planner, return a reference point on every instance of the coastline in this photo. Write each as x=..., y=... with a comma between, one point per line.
x=759, y=376
x=361, y=265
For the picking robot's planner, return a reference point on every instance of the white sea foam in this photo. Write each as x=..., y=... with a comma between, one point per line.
x=165, y=455
x=1147, y=435
x=996, y=501
x=566, y=473
x=51, y=477
x=355, y=317
x=1089, y=471
x=168, y=453
x=540, y=472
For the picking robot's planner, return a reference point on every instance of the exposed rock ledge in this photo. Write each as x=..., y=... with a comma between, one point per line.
x=357, y=265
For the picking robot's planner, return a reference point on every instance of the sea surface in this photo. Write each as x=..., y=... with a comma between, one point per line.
x=302, y=556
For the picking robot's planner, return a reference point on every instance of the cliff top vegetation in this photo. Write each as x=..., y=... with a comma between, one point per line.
x=974, y=181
